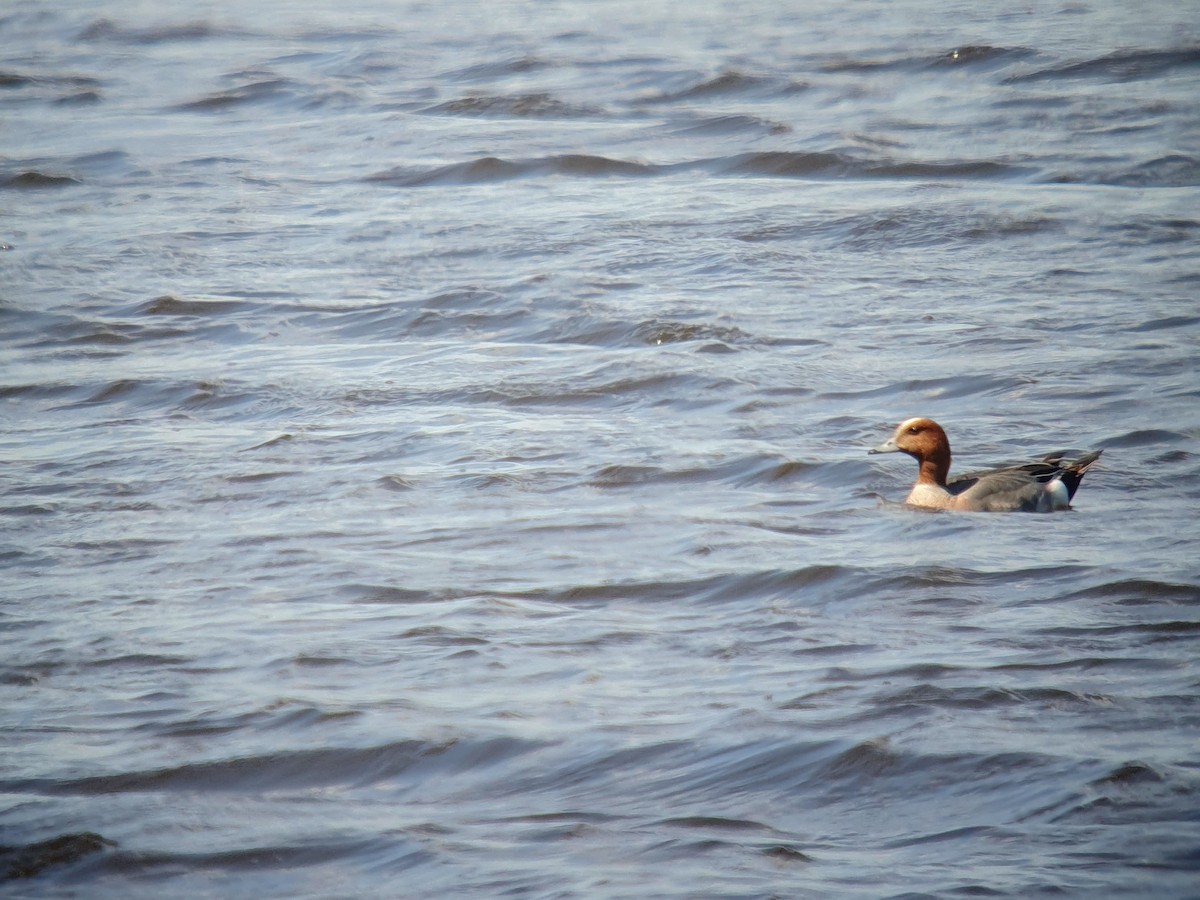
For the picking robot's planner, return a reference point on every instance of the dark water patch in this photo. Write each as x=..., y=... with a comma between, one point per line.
x=396, y=483
x=954, y=834
x=871, y=759
x=308, y=661
x=494, y=480
x=501, y=68
x=13, y=678
x=966, y=55
x=286, y=438
x=742, y=472
x=108, y=30
x=883, y=769
x=91, y=337
x=773, y=164
x=29, y=860
x=81, y=336
x=492, y=169
x=656, y=332
x=667, y=390
x=137, y=660
x=13, y=80
x=808, y=586
x=730, y=83
x=923, y=673
x=567, y=816
x=82, y=98
x=1172, y=170
x=521, y=106
x=36, y=180
x=1092, y=663
x=953, y=577
x=28, y=509
x=394, y=851
x=478, y=171
x=159, y=396
x=894, y=229
x=1131, y=792
x=440, y=636
x=171, y=305
x=472, y=311
x=1130, y=773
x=981, y=698
x=973, y=54
x=390, y=594
x=671, y=771
x=1123, y=65
x=714, y=823
x=60, y=90
x=782, y=853
x=259, y=477
x=1170, y=322
x=1148, y=437
x=1140, y=592
x=256, y=92
x=48, y=391
x=838, y=164
x=605, y=332
x=940, y=388
x=718, y=126
x=1151, y=632
x=409, y=760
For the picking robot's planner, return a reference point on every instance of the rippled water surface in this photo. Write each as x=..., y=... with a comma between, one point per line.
x=434, y=449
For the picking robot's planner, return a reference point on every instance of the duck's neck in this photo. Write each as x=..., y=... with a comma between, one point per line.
x=934, y=468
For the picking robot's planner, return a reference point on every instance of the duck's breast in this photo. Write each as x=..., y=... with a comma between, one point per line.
x=930, y=496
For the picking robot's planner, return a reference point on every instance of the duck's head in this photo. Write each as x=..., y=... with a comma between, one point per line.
x=920, y=438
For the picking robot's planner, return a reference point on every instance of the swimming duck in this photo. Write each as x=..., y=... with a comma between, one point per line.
x=1038, y=487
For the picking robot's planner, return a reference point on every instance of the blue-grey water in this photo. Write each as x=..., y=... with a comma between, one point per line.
x=433, y=449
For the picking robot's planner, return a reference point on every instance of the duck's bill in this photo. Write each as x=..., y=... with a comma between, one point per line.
x=888, y=446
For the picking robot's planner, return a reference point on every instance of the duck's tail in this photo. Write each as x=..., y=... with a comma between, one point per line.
x=1071, y=473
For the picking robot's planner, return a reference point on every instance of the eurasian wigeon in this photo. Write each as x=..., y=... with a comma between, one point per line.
x=1038, y=487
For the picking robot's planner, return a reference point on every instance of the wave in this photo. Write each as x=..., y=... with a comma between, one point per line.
x=967, y=55
x=108, y=30
x=1172, y=170
x=889, y=229
x=711, y=589
x=514, y=65
x=490, y=169
x=264, y=91
x=842, y=164
x=730, y=83
x=411, y=760
x=740, y=472
x=733, y=124
x=34, y=180
x=29, y=860
x=1130, y=791
x=774, y=164
x=1139, y=592
x=57, y=89
x=172, y=305
x=1125, y=65
x=606, y=332
x=522, y=106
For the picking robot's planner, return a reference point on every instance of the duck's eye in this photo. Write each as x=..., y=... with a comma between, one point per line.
x=916, y=429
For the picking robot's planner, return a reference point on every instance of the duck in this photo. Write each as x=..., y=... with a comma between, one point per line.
x=1043, y=486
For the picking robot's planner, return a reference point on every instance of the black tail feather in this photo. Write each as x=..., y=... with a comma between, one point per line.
x=1072, y=472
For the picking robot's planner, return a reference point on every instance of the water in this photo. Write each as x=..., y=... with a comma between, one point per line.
x=434, y=449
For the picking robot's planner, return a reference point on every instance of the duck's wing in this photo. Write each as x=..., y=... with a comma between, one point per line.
x=1020, y=487
x=1003, y=490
